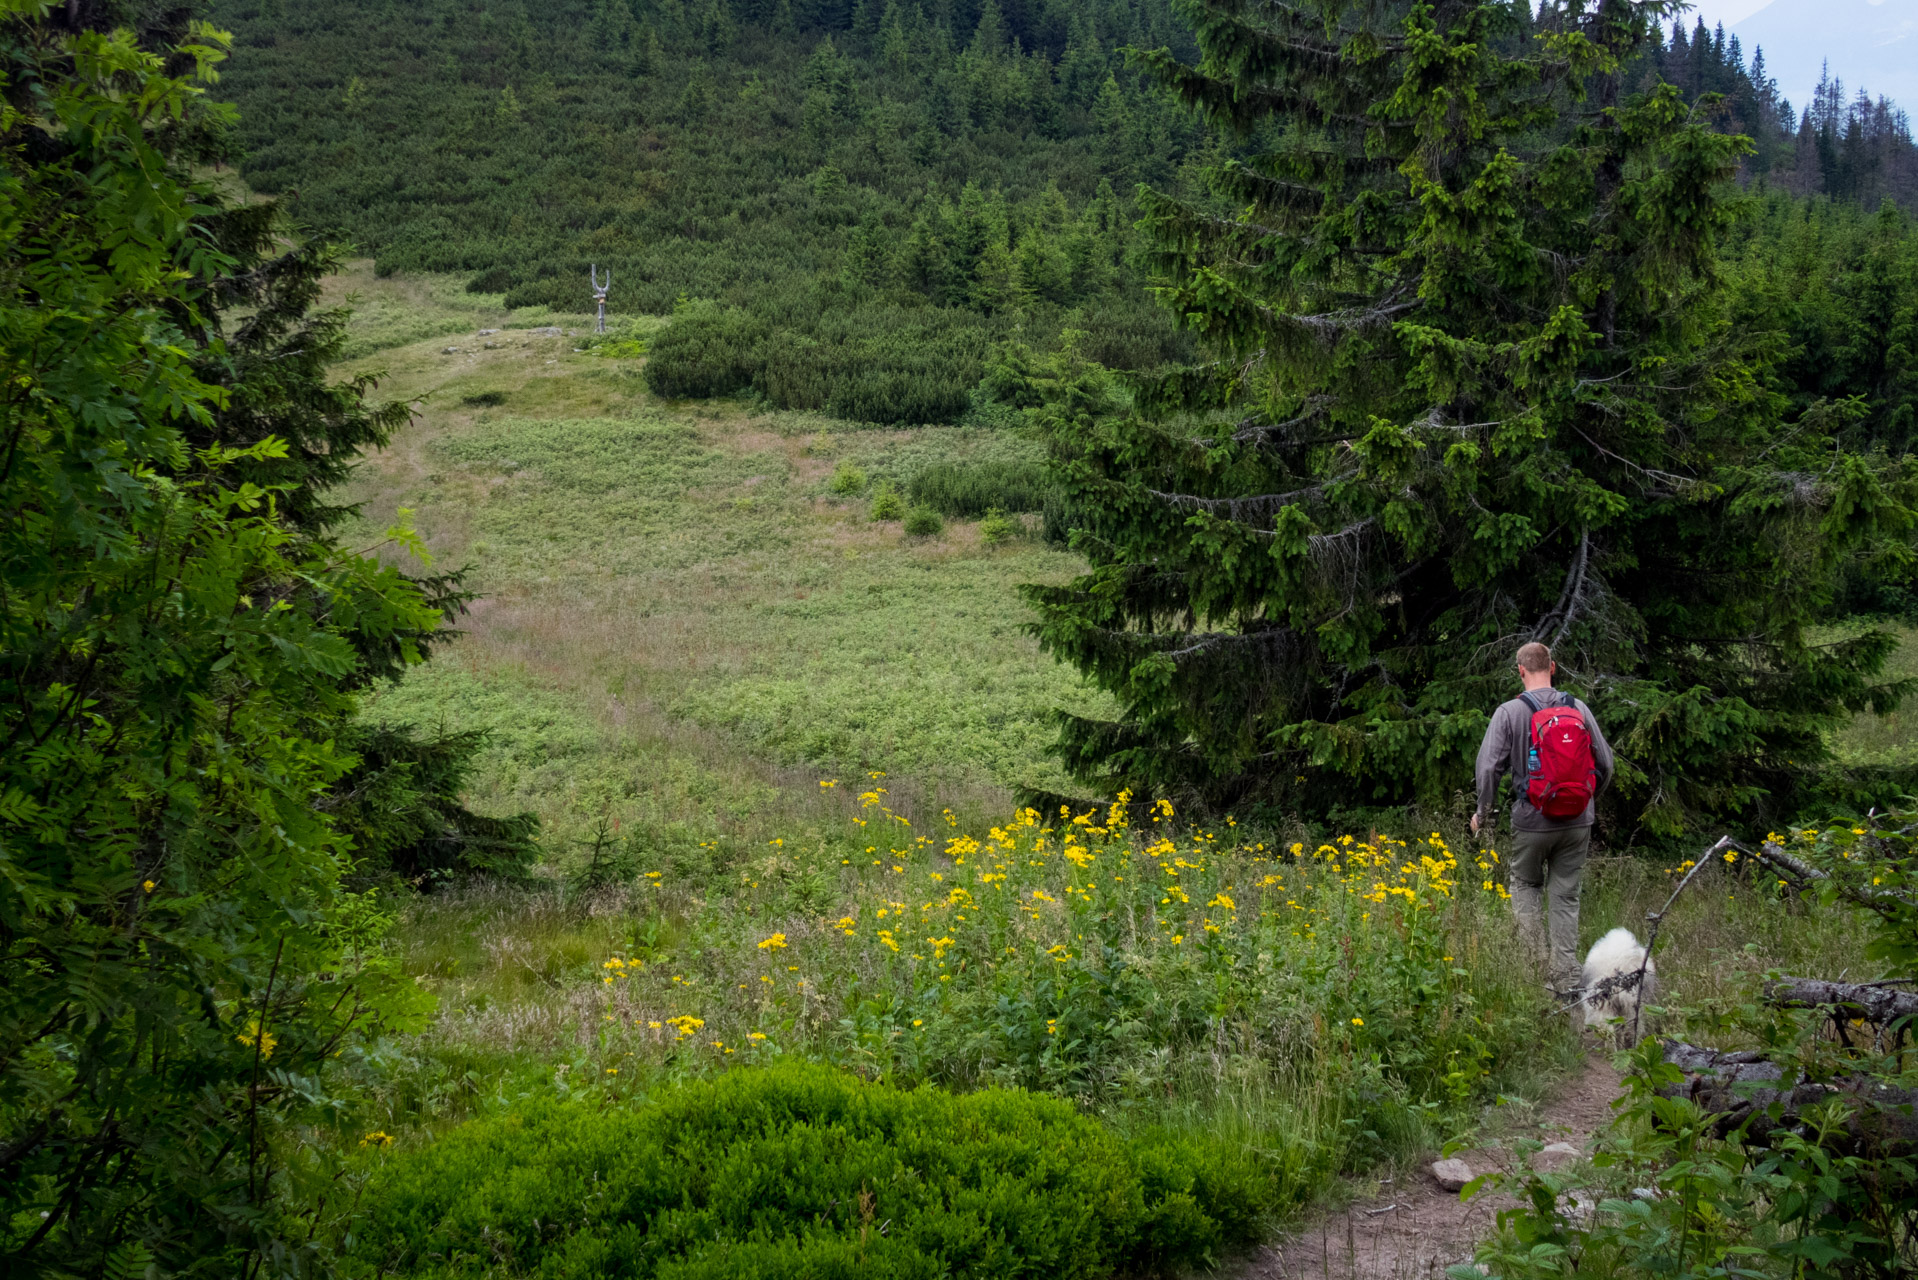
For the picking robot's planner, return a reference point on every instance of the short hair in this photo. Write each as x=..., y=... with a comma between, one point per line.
x=1535, y=657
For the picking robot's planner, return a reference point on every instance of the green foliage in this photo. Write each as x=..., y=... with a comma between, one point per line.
x=892, y=365
x=847, y=479
x=923, y=522
x=1841, y=284
x=998, y=528
x=180, y=641
x=1681, y=1191
x=803, y=1170
x=1416, y=446
x=887, y=504
x=707, y=351
x=400, y=805
x=972, y=489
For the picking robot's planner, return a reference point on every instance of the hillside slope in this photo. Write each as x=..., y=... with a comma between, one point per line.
x=715, y=151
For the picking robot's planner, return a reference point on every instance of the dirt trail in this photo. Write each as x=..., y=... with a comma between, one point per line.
x=1412, y=1230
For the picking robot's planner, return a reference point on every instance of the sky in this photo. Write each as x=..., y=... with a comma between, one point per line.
x=1873, y=43
x=1725, y=11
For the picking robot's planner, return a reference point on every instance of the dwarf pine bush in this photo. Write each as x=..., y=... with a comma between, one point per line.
x=923, y=522
x=804, y=1170
x=972, y=489
x=887, y=504
x=848, y=479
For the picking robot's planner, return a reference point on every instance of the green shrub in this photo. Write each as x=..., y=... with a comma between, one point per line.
x=848, y=479
x=998, y=528
x=887, y=504
x=923, y=522
x=706, y=351
x=802, y=1170
x=973, y=488
x=401, y=806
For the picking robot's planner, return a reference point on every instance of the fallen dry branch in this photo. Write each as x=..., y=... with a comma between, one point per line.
x=1746, y=1091
x=1869, y=1001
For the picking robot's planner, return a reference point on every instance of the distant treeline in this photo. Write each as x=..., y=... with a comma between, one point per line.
x=1856, y=148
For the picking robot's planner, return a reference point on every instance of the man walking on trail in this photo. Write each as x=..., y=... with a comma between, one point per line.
x=1559, y=761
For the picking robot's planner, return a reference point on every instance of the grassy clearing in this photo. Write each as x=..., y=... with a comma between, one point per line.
x=1893, y=737
x=669, y=588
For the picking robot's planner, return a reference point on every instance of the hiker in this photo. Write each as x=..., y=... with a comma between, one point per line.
x=1559, y=762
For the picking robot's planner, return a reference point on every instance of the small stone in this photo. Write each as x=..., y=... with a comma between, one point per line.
x=1452, y=1174
x=1560, y=1155
x=450, y=351
x=487, y=333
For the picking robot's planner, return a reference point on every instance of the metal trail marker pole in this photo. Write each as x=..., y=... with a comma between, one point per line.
x=599, y=292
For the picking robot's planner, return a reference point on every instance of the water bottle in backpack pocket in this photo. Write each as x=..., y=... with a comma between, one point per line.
x=1561, y=772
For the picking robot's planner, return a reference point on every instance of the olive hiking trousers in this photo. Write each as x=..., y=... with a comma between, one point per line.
x=1549, y=867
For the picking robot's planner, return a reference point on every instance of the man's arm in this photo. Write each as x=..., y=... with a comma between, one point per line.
x=1494, y=758
x=1601, y=749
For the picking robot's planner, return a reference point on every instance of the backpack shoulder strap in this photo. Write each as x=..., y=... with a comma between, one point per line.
x=1530, y=701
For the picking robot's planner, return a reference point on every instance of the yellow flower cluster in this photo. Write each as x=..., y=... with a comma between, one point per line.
x=1042, y=899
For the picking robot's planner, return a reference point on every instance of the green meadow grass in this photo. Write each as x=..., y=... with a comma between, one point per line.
x=671, y=592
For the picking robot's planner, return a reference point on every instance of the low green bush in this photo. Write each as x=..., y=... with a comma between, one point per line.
x=998, y=528
x=707, y=350
x=887, y=504
x=909, y=365
x=970, y=489
x=805, y=1171
x=848, y=479
x=923, y=522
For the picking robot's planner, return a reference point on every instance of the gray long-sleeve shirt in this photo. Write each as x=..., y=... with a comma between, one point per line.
x=1508, y=743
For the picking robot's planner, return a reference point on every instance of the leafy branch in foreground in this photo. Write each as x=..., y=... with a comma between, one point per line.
x=1473, y=383
x=180, y=642
x=1790, y=1153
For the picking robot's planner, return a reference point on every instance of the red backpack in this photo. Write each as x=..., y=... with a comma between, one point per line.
x=1562, y=776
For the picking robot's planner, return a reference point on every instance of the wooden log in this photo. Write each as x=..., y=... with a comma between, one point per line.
x=1745, y=1091
x=1848, y=999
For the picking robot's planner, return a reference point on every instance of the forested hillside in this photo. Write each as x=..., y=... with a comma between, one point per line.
x=888, y=190
x=869, y=196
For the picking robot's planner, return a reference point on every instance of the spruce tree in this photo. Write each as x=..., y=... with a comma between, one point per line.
x=1470, y=384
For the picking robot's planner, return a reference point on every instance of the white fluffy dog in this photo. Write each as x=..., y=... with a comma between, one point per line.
x=1618, y=952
